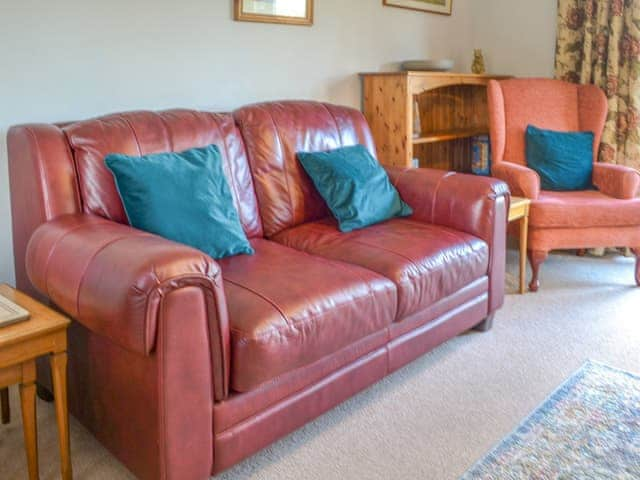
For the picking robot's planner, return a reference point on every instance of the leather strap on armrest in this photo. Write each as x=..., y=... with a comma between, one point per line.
x=113, y=279
x=616, y=181
x=472, y=204
x=522, y=181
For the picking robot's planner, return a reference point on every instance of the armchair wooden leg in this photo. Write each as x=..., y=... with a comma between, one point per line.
x=536, y=259
x=636, y=252
x=4, y=403
x=485, y=325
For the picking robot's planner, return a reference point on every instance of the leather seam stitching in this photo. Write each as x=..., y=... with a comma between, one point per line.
x=90, y=262
x=344, y=266
x=360, y=242
x=163, y=466
x=74, y=165
x=278, y=379
x=335, y=122
x=213, y=312
x=133, y=132
x=52, y=250
x=45, y=193
x=332, y=262
x=234, y=187
x=147, y=306
x=273, y=304
x=357, y=271
x=167, y=130
x=436, y=190
x=163, y=288
x=292, y=326
x=312, y=227
x=402, y=174
x=285, y=169
x=303, y=388
x=366, y=244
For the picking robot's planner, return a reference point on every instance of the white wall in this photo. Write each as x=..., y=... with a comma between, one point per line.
x=71, y=59
x=517, y=36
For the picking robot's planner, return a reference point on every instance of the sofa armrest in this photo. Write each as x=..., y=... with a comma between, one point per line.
x=113, y=279
x=469, y=203
x=616, y=181
x=522, y=181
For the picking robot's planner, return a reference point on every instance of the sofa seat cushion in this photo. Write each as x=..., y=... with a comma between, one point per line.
x=426, y=262
x=588, y=208
x=288, y=309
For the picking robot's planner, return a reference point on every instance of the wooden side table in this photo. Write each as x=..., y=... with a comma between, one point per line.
x=44, y=333
x=519, y=210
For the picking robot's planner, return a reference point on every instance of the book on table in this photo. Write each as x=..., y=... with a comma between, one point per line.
x=10, y=312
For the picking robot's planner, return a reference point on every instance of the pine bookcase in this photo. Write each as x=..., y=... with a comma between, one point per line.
x=427, y=116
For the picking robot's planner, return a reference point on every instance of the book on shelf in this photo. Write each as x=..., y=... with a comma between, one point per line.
x=417, y=127
x=481, y=155
x=10, y=312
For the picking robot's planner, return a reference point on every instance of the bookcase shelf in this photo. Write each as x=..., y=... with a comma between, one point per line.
x=448, y=135
x=446, y=109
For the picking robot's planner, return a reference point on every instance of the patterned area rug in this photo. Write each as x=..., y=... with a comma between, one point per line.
x=587, y=429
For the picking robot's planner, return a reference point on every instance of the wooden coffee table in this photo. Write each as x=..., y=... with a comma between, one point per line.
x=44, y=333
x=519, y=210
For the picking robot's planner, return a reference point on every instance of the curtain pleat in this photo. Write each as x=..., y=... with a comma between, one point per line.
x=599, y=43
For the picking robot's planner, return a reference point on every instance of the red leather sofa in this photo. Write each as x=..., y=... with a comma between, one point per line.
x=182, y=365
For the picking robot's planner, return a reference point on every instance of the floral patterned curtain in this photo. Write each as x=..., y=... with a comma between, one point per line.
x=599, y=43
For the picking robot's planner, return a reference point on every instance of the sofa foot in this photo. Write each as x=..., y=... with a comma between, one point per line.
x=536, y=259
x=636, y=252
x=44, y=394
x=485, y=325
x=4, y=403
x=581, y=252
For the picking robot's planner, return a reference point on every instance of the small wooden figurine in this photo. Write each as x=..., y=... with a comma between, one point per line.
x=478, y=62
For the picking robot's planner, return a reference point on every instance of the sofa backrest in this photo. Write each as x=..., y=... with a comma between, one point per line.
x=545, y=103
x=141, y=133
x=59, y=169
x=273, y=133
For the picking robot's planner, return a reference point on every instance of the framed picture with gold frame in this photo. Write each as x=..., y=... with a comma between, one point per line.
x=443, y=7
x=291, y=12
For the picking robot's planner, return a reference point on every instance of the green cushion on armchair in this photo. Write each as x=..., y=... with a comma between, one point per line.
x=564, y=160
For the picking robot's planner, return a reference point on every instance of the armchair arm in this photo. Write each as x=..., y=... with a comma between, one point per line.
x=113, y=279
x=616, y=181
x=475, y=205
x=522, y=181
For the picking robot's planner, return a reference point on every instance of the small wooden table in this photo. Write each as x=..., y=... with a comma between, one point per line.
x=519, y=210
x=44, y=333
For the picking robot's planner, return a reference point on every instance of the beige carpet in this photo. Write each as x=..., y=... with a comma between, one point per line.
x=437, y=416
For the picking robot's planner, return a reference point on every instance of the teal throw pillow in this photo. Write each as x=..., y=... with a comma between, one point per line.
x=564, y=160
x=354, y=185
x=183, y=197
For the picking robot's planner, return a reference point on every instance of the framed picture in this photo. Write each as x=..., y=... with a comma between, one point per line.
x=442, y=7
x=292, y=12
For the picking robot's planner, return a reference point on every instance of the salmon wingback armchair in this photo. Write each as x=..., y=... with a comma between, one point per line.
x=606, y=216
